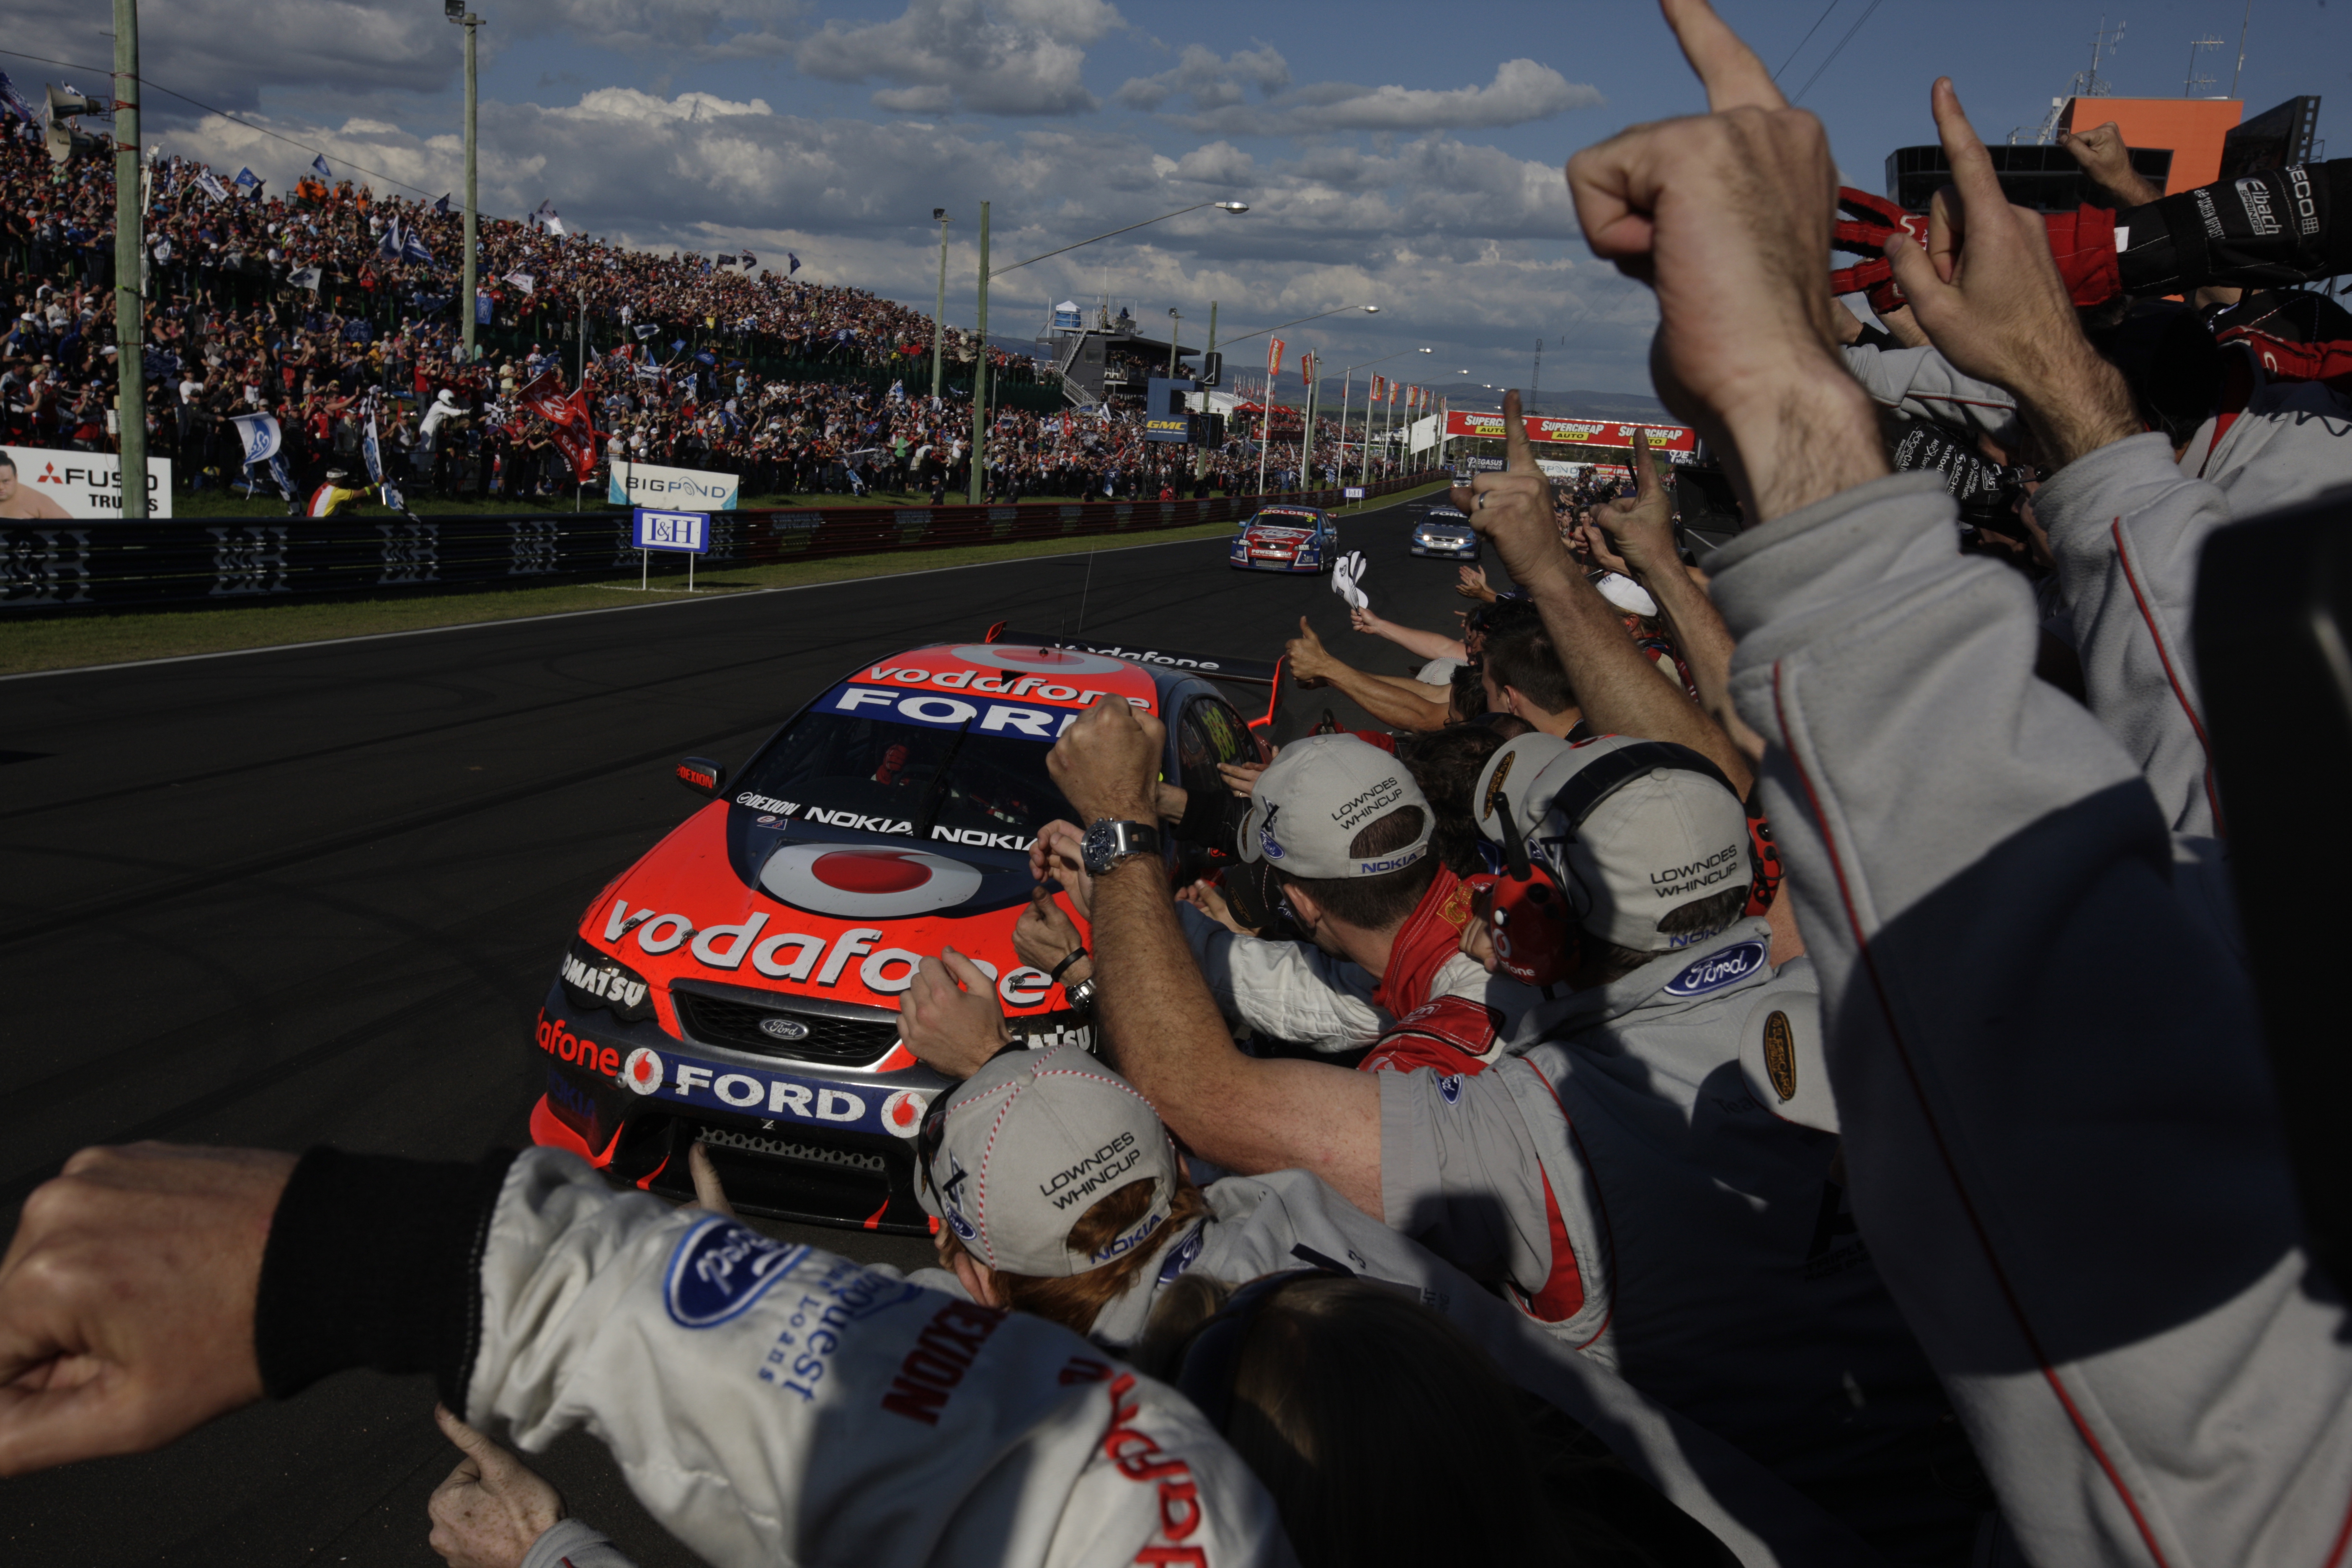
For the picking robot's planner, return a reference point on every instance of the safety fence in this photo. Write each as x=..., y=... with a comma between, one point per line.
x=65, y=566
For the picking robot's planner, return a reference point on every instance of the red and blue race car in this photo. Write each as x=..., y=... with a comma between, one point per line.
x=1285, y=538
x=739, y=984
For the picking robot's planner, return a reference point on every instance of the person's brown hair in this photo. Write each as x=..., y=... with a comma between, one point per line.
x=1698, y=919
x=1525, y=661
x=1077, y=1300
x=1374, y=903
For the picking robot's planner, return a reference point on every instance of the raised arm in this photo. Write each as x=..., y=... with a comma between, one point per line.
x=1616, y=684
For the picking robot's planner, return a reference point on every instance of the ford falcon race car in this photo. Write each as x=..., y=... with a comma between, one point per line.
x=1285, y=538
x=739, y=984
x=1445, y=530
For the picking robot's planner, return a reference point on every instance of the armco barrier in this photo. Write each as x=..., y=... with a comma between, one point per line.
x=65, y=566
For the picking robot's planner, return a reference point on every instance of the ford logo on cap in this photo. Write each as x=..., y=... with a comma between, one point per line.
x=784, y=1028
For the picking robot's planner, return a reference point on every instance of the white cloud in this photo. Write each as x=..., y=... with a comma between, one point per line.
x=943, y=55
x=1465, y=247
x=1219, y=91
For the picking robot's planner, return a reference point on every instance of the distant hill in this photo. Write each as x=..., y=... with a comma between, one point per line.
x=1602, y=405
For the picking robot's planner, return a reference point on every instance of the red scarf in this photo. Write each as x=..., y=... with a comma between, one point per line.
x=1431, y=935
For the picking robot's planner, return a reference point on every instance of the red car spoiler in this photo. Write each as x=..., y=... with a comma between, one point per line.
x=1214, y=667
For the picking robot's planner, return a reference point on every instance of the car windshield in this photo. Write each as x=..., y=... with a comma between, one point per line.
x=946, y=770
x=1288, y=521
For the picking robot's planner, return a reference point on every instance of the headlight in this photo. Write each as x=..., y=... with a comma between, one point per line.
x=593, y=979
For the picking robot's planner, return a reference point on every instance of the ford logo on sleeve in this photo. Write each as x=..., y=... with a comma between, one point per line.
x=781, y=1028
x=1725, y=966
x=720, y=1269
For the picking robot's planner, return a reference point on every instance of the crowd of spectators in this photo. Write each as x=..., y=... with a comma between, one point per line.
x=1752, y=1054
x=315, y=307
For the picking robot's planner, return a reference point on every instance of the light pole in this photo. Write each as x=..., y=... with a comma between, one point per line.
x=1174, y=321
x=130, y=295
x=1367, y=310
x=456, y=12
x=979, y=370
x=939, y=316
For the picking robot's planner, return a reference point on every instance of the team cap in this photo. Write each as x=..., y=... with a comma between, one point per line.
x=1653, y=837
x=1019, y=1151
x=1317, y=795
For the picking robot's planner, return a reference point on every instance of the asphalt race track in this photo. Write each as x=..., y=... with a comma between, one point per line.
x=315, y=894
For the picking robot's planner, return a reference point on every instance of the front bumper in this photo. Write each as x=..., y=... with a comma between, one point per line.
x=1467, y=551
x=795, y=1138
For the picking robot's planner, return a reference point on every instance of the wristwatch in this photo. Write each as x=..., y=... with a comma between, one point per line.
x=1107, y=843
x=1082, y=996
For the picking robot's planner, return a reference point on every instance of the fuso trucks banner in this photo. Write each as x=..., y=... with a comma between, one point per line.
x=37, y=482
x=676, y=489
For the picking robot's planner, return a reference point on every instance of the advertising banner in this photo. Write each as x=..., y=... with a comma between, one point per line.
x=648, y=484
x=1586, y=431
x=687, y=531
x=41, y=482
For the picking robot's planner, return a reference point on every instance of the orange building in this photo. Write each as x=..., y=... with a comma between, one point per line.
x=2192, y=127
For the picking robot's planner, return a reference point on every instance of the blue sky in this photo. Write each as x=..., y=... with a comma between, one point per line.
x=1402, y=154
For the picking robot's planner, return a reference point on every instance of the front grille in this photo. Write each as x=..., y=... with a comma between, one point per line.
x=723, y=1021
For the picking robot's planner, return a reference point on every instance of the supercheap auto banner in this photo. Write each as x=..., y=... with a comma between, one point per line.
x=1586, y=431
x=47, y=483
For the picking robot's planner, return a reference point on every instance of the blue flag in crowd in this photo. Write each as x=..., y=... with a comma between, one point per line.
x=482, y=310
x=209, y=182
x=371, y=453
x=411, y=249
x=259, y=434
x=678, y=346
x=320, y=164
x=246, y=180
x=442, y=206
x=389, y=246
x=14, y=102
x=705, y=357
x=795, y=261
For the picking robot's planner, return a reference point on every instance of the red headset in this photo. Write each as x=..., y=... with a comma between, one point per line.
x=1536, y=923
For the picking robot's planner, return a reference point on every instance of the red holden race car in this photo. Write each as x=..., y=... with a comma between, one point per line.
x=739, y=984
x=1285, y=538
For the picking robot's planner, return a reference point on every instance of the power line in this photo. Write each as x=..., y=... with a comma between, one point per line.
x=225, y=114
x=1834, y=54
x=1807, y=38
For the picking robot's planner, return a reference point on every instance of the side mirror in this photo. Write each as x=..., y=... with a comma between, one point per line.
x=701, y=775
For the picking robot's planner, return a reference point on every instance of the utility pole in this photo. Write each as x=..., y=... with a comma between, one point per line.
x=980, y=376
x=130, y=291
x=467, y=282
x=1201, y=454
x=939, y=316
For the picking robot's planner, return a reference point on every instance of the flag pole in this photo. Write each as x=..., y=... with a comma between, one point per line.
x=467, y=282
x=130, y=286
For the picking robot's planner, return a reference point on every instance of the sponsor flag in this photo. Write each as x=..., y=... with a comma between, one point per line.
x=646, y=330
x=304, y=278
x=246, y=180
x=1379, y=386
x=442, y=206
x=750, y=261
x=260, y=435
x=726, y=261
x=522, y=280
x=372, y=451
x=1307, y=367
x=411, y=249
x=14, y=102
x=795, y=264
x=209, y=182
x=546, y=218
x=544, y=396
x=1273, y=363
x=320, y=164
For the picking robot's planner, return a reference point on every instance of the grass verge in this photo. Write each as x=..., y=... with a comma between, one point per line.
x=68, y=642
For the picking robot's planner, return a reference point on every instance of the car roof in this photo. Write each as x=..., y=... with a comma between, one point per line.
x=1050, y=673
x=1306, y=512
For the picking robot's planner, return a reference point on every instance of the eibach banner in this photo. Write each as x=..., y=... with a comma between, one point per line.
x=1578, y=432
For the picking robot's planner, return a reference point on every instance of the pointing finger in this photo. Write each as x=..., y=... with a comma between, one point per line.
x=1518, y=452
x=473, y=1443
x=1734, y=78
x=1971, y=164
